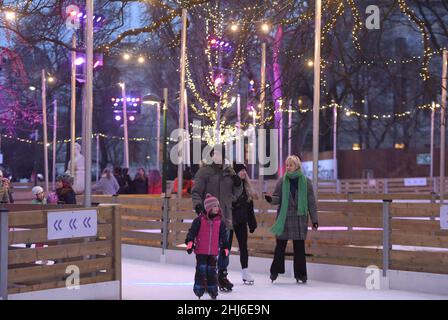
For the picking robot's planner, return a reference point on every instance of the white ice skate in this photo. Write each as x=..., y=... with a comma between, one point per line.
x=247, y=277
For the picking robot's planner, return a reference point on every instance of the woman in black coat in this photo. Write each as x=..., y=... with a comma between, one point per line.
x=243, y=216
x=64, y=190
x=140, y=183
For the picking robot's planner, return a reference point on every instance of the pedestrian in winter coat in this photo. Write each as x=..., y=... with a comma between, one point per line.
x=223, y=183
x=107, y=184
x=140, y=183
x=64, y=190
x=154, y=182
x=5, y=190
x=243, y=216
x=295, y=197
x=207, y=236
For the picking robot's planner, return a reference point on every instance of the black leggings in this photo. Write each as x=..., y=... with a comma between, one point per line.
x=278, y=265
x=241, y=235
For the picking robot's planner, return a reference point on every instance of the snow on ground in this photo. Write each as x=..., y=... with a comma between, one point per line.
x=155, y=281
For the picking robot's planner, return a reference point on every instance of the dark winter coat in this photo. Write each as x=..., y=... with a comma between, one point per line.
x=243, y=211
x=66, y=195
x=218, y=182
x=296, y=227
x=140, y=186
x=208, y=235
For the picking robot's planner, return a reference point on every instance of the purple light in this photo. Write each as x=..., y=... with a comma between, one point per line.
x=135, y=104
x=218, y=81
x=80, y=15
x=221, y=43
x=115, y=104
x=117, y=117
x=96, y=64
x=79, y=61
x=99, y=19
x=128, y=99
x=226, y=45
x=131, y=118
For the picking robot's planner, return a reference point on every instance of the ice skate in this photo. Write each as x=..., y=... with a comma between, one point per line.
x=273, y=276
x=247, y=277
x=301, y=280
x=223, y=283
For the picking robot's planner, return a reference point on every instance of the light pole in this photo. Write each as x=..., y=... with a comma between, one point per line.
x=55, y=130
x=73, y=109
x=335, y=140
x=88, y=104
x=44, y=122
x=316, y=96
x=182, y=100
x=152, y=99
x=125, y=125
x=261, y=144
x=431, y=170
x=443, y=126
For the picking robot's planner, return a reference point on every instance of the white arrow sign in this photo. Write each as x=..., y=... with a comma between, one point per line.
x=72, y=224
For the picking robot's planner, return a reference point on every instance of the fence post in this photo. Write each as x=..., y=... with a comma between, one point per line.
x=386, y=186
x=387, y=246
x=338, y=186
x=165, y=230
x=350, y=212
x=4, y=230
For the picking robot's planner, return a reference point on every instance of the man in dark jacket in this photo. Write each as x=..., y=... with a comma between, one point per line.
x=223, y=183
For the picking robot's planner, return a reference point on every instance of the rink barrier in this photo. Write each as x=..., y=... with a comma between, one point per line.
x=350, y=233
x=98, y=258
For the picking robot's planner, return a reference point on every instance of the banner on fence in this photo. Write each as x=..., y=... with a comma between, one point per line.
x=415, y=182
x=72, y=224
x=444, y=217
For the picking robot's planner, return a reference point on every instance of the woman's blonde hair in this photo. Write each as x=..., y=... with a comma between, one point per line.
x=294, y=160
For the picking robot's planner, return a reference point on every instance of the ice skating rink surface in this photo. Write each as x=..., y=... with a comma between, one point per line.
x=143, y=280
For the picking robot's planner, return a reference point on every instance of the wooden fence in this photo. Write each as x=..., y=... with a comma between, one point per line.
x=350, y=233
x=98, y=258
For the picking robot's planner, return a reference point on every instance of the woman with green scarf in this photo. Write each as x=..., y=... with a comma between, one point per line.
x=295, y=197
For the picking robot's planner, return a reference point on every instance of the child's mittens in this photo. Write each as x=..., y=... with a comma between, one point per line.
x=190, y=247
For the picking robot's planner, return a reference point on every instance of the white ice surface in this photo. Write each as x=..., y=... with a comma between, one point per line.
x=155, y=281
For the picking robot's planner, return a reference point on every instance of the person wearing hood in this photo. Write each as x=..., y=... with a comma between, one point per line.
x=206, y=237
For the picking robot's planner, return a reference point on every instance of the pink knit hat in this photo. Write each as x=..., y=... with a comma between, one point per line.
x=210, y=202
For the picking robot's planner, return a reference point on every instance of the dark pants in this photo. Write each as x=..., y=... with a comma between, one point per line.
x=205, y=277
x=278, y=265
x=223, y=261
x=241, y=235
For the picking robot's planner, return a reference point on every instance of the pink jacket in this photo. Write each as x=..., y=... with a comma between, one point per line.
x=208, y=234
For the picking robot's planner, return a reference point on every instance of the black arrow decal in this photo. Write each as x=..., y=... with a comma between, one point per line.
x=59, y=225
x=88, y=222
x=74, y=225
x=70, y=224
x=55, y=226
x=84, y=222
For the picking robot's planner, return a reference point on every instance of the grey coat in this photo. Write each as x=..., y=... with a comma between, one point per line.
x=218, y=182
x=296, y=227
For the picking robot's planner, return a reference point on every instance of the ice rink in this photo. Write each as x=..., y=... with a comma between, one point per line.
x=155, y=281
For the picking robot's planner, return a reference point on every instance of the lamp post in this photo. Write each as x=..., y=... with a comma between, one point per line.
x=443, y=126
x=73, y=109
x=152, y=99
x=44, y=122
x=125, y=125
x=55, y=130
x=316, y=96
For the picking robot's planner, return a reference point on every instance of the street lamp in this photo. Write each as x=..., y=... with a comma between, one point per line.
x=10, y=15
x=125, y=125
x=153, y=99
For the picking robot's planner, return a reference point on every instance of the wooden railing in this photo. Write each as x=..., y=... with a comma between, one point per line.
x=350, y=233
x=97, y=257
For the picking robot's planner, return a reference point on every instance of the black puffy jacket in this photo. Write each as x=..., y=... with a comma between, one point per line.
x=243, y=211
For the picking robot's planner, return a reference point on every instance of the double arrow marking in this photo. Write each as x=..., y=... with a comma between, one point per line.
x=86, y=222
x=57, y=225
x=72, y=224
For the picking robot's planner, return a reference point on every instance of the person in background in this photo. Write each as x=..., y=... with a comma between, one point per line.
x=243, y=216
x=294, y=196
x=154, y=182
x=140, y=183
x=64, y=189
x=127, y=182
x=107, y=184
x=187, y=183
x=38, y=195
x=5, y=190
x=118, y=174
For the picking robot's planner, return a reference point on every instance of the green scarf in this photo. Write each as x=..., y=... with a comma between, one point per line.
x=302, y=200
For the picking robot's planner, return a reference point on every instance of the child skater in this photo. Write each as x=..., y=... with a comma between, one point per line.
x=206, y=236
